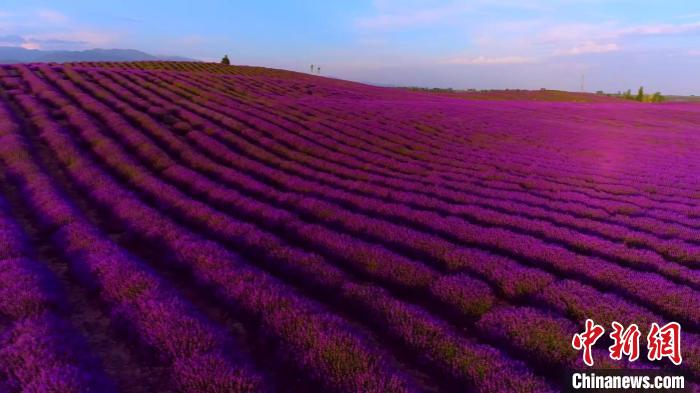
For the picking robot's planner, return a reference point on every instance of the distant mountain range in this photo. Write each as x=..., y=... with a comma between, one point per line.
x=10, y=54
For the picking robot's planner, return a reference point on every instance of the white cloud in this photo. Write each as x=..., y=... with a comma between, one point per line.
x=586, y=38
x=608, y=31
x=51, y=29
x=694, y=52
x=481, y=30
x=73, y=40
x=487, y=60
x=590, y=47
x=31, y=45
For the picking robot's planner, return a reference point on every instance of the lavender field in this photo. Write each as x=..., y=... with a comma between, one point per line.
x=192, y=227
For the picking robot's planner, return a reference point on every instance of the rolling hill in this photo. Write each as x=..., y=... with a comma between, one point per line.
x=12, y=55
x=175, y=226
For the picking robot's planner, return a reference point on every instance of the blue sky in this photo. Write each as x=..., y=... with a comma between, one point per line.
x=616, y=44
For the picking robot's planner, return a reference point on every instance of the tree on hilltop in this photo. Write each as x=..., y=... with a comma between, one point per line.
x=657, y=97
x=641, y=97
x=225, y=60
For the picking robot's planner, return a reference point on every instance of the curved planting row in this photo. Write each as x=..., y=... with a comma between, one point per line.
x=404, y=273
x=510, y=247
x=39, y=349
x=520, y=195
x=137, y=296
x=312, y=208
x=400, y=149
x=669, y=250
x=248, y=229
x=339, y=358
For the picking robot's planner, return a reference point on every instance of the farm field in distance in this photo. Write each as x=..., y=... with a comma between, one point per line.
x=196, y=227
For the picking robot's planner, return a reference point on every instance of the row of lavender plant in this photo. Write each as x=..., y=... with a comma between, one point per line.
x=526, y=194
x=501, y=168
x=325, y=212
x=314, y=340
x=441, y=149
x=590, y=177
x=163, y=321
x=496, y=196
x=222, y=195
x=389, y=180
x=310, y=206
x=689, y=293
x=443, y=288
x=163, y=66
x=396, y=270
x=206, y=186
x=477, y=170
x=39, y=349
x=456, y=290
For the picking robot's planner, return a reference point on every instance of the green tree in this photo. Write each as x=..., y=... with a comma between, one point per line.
x=627, y=95
x=640, y=94
x=225, y=60
x=657, y=97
